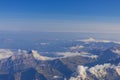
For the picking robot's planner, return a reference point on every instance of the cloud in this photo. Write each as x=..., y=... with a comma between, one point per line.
x=53, y=25
x=6, y=53
x=76, y=47
x=72, y=54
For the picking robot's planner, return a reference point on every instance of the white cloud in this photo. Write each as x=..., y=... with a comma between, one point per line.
x=72, y=54
x=58, y=25
x=6, y=53
x=44, y=44
x=76, y=47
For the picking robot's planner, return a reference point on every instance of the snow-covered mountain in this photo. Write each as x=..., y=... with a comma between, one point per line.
x=98, y=72
x=72, y=60
x=91, y=39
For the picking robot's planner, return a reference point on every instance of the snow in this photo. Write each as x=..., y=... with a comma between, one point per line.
x=37, y=56
x=5, y=53
x=99, y=71
x=91, y=39
x=116, y=51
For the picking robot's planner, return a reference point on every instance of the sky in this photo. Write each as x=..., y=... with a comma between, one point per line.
x=95, y=16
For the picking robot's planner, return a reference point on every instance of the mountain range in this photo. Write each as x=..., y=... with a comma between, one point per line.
x=87, y=59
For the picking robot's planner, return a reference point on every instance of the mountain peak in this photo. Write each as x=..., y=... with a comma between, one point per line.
x=91, y=39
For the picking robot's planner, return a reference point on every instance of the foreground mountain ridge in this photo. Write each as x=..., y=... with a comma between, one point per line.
x=87, y=60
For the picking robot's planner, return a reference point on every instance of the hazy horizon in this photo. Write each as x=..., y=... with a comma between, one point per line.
x=93, y=16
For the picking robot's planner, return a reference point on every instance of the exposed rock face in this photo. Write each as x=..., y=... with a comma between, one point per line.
x=98, y=72
x=32, y=67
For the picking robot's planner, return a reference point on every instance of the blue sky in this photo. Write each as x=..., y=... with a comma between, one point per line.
x=96, y=16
